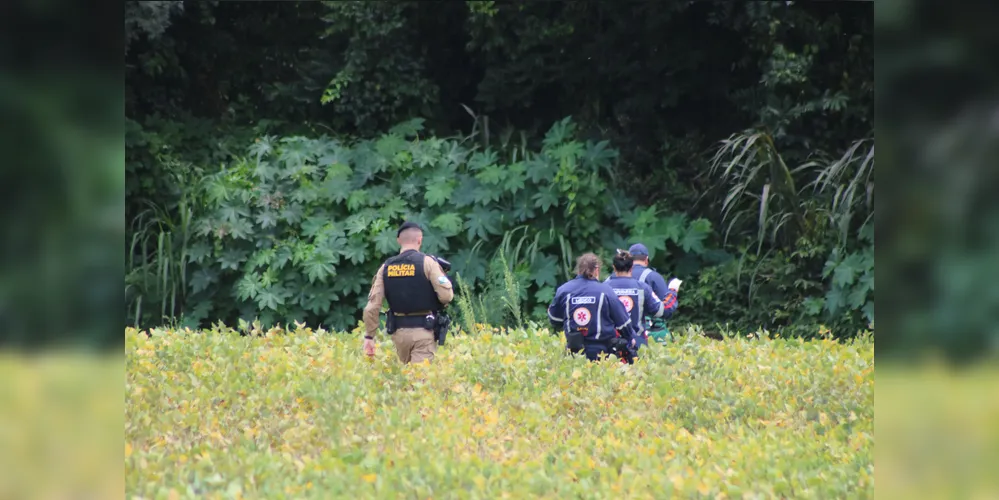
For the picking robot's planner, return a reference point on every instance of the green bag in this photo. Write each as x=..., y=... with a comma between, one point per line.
x=660, y=336
x=658, y=331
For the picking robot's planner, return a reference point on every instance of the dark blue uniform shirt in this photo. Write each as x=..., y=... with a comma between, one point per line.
x=652, y=277
x=640, y=301
x=591, y=308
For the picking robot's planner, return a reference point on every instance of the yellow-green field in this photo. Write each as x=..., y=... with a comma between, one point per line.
x=305, y=415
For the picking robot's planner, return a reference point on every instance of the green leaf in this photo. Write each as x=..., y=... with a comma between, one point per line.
x=318, y=269
x=845, y=272
x=266, y=219
x=469, y=265
x=265, y=171
x=693, y=238
x=335, y=162
x=385, y=242
x=522, y=210
x=482, y=159
x=292, y=213
x=834, y=300
x=539, y=171
x=425, y=154
x=293, y=154
x=544, y=270
x=318, y=300
x=545, y=199
x=388, y=145
x=515, y=177
x=485, y=195
x=261, y=147
x=866, y=282
x=394, y=207
x=232, y=258
x=198, y=251
x=357, y=223
x=672, y=228
x=813, y=305
x=408, y=128
x=241, y=230
x=202, y=279
x=356, y=252
x=410, y=187
x=357, y=199
x=434, y=243
x=312, y=225
x=559, y=132
x=261, y=258
x=454, y=154
x=545, y=294
x=481, y=223
x=857, y=298
x=271, y=297
x=599, y=155
x=439, y=192
x=248, y=286
x=305, y=194
x=282, y=256
x=449, y=223
x=231, y=214
x=567, y=153
x=465, y=194
x=492, y=174
x=337, y=190
x=378, y=194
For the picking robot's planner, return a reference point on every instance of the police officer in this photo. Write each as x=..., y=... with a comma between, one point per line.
x=638, y=298
x=417, y=289
x=645, y=274
x=588, y=311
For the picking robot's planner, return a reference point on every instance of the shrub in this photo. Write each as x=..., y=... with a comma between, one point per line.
x=305, y=414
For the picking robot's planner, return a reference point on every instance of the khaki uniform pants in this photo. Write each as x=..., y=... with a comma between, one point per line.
x=414, y=344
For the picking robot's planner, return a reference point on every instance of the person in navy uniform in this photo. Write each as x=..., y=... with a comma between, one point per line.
x=588, y=311
x=637, y=297
x=641, y=271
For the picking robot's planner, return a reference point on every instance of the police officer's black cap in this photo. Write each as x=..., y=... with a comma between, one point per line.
x=407, y=225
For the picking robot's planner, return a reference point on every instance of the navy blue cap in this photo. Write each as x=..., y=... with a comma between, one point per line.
x=638, y=250
x=407, y=225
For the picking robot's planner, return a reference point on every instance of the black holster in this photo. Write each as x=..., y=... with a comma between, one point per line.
x=573, y=340
x=390, y=322
x=441, y=325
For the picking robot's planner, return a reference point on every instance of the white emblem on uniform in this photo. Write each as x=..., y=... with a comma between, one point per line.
x=581, y=316
x=628, y=303
x=443, y=280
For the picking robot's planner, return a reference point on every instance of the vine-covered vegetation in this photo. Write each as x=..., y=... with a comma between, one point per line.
x=273, y=147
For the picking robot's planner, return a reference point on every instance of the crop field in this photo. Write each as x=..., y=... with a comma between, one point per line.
x=303, y=414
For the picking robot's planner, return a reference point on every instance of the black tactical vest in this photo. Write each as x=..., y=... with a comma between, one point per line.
x=406, y=285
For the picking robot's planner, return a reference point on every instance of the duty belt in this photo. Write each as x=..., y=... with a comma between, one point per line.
x=411, y=320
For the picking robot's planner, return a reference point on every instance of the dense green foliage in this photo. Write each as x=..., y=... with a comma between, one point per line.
x=272, y=147
x=303, y=414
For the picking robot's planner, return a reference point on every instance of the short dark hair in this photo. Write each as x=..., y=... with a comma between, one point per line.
x=623, y=261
